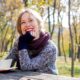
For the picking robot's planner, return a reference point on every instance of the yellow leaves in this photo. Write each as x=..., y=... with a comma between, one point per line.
x=34, y=2
x=38, y=2
x=42, y=2
x=8, y=36
x=50, y=2
x=11, y=4
x=8, y=2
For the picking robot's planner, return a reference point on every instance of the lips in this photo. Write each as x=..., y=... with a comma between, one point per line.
x=30, y=29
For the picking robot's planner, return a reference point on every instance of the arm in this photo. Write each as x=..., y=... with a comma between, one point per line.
x=42, y=59
x=12, y=53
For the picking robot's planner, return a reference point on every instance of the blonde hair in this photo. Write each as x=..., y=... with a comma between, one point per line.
x=34, y=13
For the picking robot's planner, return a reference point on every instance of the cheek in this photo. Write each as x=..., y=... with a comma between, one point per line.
x=22, y=28
x=36, y=26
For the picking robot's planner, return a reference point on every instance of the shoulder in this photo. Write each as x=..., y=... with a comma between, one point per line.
x=51, y=45
x=15, y=43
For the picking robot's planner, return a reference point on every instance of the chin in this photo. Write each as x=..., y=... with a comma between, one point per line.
x=23, y=33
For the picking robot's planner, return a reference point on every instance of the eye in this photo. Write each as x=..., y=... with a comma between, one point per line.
x=22, y=22
x=30, y=20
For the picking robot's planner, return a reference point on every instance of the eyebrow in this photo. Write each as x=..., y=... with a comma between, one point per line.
x=22, y=20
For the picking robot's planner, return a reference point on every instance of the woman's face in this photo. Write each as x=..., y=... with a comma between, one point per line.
x=29, y=23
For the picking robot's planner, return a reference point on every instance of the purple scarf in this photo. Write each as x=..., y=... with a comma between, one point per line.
x=39, y=43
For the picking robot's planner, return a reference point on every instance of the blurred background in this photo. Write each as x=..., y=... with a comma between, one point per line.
x=61, y=19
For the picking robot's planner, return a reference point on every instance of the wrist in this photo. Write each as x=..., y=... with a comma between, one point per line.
x=22, y=45
x=21, y=48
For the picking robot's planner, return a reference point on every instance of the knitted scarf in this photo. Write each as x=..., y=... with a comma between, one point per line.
x=37, y=45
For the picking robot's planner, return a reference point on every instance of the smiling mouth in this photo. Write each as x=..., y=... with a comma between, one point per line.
x=29, y=29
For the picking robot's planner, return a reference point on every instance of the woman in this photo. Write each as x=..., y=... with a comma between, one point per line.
x=33, y=50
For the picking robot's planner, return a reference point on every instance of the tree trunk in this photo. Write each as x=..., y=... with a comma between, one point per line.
x=78, y=54
x=54, y=7
x=71, y=40
x=75, y=34
x=59, y=42
x=49, y=25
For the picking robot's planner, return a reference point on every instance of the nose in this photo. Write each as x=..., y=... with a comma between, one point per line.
x=27, y=24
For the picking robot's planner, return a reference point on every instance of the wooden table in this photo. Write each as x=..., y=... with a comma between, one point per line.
x=20, y=75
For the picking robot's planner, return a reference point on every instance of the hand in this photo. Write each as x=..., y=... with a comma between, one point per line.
x=26, y=37
x=22, y=44
x=24, y=40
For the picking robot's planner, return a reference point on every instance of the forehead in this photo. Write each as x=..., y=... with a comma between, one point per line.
x=27, y=15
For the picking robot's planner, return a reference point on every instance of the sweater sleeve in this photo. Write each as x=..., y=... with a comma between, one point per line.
x=45, y=56
x=12, y=53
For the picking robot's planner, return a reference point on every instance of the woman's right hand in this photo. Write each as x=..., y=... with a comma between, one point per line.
x=32, y=32
x=26, y=37
x=24, y=40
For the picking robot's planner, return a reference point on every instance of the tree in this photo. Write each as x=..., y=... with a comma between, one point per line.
x=71, y=40
x=8, y=16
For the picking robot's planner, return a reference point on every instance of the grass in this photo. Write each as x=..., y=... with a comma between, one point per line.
x=64, y=68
